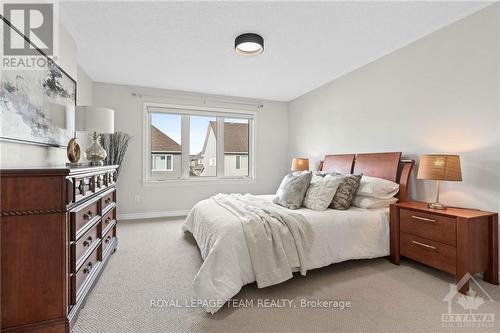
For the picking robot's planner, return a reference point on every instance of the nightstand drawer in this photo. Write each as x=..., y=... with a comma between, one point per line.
x=434, y=227
x=429, y=252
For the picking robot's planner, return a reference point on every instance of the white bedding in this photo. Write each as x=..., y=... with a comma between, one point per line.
x=338, y=235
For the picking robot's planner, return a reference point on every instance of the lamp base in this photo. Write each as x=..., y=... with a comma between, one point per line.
x=436, y=205
x=95, y=153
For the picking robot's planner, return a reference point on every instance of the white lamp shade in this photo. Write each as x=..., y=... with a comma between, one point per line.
x=95, y=119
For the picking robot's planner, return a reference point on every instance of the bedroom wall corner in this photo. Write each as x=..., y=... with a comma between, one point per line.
x=440, y=94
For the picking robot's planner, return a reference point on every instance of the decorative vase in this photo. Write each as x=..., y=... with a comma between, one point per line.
x=95, y=153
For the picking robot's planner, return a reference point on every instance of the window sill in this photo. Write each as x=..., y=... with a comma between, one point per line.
x=210, y=181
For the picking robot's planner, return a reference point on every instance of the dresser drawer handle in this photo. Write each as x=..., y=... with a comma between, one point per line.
x=88, y=216
x=87, y=242
x=424, y=245
x=108, y=219
x=423, y=219
x=88, y=268
x=107, y=201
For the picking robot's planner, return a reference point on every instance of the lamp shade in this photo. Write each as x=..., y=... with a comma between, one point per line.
x=440, y=167
x=95, y=119
x=300, y=164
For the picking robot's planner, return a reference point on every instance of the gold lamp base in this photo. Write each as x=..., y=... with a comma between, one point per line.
x=436, y=205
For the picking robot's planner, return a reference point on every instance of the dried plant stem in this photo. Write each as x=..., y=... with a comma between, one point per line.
x=116, y=145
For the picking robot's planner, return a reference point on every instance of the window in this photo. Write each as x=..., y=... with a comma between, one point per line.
x=162, y=162
x=188, y=143
x=241, y=162
x=203, y=146
x=236, y=146
x=165, y=147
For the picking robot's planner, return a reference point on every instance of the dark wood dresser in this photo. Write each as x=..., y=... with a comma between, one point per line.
x=454, y=240
x=58, y=229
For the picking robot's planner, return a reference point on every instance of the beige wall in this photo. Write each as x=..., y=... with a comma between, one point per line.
x=437, y=95
x=19, y=155
x=136, y=199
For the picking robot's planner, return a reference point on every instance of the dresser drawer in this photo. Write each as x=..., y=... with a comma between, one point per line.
x=100, y=182
x=428, y=252
x=108, y=219
x=438, y=228
x=83, y=216
x=83, y=187
x=108, y=199
x=110, y=178
x=83, y=245
x=108, y=238
x=85, y=271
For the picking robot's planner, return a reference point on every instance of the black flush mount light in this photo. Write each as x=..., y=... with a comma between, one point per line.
x=249, y=44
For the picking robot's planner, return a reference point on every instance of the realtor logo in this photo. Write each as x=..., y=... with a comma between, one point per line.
x=33, y=20
x=468, y=312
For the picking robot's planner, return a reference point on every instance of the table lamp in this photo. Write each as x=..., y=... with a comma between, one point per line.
x=98, y=120
x=300, y=164
x=438, y=168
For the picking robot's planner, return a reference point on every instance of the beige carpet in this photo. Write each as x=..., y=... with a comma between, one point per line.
x=156, y=260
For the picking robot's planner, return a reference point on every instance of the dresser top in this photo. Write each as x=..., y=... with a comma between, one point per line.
x=56, y=170
x=450, y=211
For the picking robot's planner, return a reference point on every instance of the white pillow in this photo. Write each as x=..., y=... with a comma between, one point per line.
x=370, y=202
x=320, y=193
x=377, y=188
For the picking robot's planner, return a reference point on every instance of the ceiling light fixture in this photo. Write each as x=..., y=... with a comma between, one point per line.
x=249, y=44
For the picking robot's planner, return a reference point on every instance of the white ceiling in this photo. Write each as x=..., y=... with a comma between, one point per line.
x=189, y=45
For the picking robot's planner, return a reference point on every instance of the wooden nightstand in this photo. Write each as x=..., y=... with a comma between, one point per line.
x=457, y=241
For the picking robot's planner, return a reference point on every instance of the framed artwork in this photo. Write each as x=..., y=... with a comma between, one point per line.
x=37, y=106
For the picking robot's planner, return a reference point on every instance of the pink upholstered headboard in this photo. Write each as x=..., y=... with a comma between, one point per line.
x=382, y=165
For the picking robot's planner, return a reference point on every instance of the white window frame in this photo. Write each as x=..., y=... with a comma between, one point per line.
x=185, y=111
x=166, y=160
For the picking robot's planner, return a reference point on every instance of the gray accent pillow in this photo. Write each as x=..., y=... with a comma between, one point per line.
x=345, y=192
x=292, y=190
x=324, y=173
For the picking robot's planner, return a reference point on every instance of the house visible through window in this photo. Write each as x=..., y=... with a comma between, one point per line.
x=162, y=162
x=241, y=162
x=186, y=144
x=236, y=146
x=165, y=146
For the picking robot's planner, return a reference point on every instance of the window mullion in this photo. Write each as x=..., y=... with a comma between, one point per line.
x=185, y=147
x=220, y=147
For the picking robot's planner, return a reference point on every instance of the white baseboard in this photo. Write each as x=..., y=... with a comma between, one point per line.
x=150, y=215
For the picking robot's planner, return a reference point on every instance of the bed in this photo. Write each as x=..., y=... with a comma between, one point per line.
x=338, y=236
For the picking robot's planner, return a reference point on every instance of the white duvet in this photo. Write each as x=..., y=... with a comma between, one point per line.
x=338, y=235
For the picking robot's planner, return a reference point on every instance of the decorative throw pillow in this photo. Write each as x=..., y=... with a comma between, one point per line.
x=370, y=202
x=345, y=192
x=291, y=192
x=320, y=193
x=377, y=188
x=324, y=173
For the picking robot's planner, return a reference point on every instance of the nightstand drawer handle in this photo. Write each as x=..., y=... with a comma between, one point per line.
x=424, y=245
x=423, y=219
